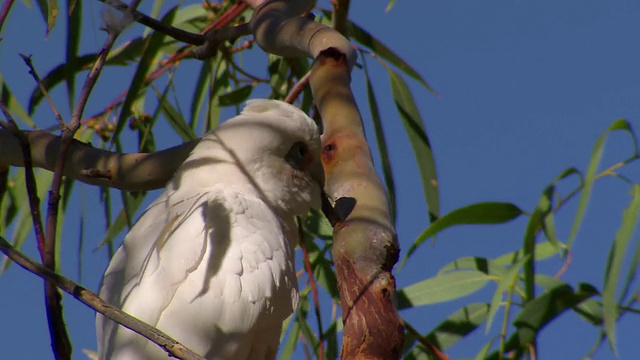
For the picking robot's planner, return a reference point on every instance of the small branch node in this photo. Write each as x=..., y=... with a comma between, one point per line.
x=94, y=173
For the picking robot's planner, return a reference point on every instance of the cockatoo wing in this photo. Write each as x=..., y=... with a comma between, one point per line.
x=208, y=267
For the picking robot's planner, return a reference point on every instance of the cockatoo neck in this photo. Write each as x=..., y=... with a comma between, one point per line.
x=261, y=177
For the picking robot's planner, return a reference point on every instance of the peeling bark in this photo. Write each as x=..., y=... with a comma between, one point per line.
x=365, y=246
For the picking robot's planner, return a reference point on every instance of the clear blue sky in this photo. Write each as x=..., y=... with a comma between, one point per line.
x=527, y=86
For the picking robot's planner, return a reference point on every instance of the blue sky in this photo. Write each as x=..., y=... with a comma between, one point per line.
x=527, y=87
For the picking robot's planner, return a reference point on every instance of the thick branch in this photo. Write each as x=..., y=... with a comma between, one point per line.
x=93, y=301
x=279, y=29
x=136, y=171
x=365, y=246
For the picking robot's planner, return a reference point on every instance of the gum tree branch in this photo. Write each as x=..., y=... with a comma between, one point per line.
x=365, y=244
x=92, y=300
x=279, y=29
x=134, y=171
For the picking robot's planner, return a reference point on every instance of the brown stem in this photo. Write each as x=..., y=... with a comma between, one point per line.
x=314, y=289
x=224, y=20
x=4, y=12
x=298, y=88
x=32, y=191
x=92, y=300
x=178, y=34
x=43, y=89
x=59, y=336
x=426, y=343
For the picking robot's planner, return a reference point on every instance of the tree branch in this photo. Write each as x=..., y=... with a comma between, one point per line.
x=178, y=34
x=59, y=338
x=92, y=300
x=135, y=171
x=279, y=29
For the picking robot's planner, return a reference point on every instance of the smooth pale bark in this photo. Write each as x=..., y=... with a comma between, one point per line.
x=135, y=171
x=365, y=246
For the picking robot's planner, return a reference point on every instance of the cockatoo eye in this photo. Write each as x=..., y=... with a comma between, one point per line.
x=298, y=156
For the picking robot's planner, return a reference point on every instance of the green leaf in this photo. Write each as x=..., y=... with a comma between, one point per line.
x=235, y=97
x=590, y=176
x=287, y=348
x=542, y=219
x=534, y=225
x=121, y=56
x=453, y=329
x=367, y=40
x=458, y=325
x=188, y=14
x=14, y=105
x=441, y=288
x=480, y=213
x=74, y=24
x=486, y=266
x=482, y=354
x=381, y=142
x=390, y=5
x=537, y=313
x=614, y=265
x=131, y=203
x=175, y=119
x=152, y=47
x=43, y=5
x=631, y=274
x=317, y=225
x=23, y=223
x=542, y=251
x=301, y=319
x=331, y=339
x=52, y=15
x=419, y=140
x=200, y=91
x=507, y=282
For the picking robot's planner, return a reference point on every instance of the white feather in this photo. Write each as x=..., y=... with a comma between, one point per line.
x=211, y=261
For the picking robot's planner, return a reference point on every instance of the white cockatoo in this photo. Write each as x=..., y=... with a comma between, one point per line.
x=211, y=261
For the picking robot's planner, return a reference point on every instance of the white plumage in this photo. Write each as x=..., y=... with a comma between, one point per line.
x=211, y=261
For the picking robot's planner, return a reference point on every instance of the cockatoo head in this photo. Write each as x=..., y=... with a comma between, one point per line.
x=272, y=150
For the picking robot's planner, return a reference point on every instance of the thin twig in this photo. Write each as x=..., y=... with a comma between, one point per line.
x=92, y=300
x=298, y=88
x=53, y=297
x=253, y=78
x=183, y=52
x=178, y=34
x=314, y=289
x=57, y=330
x=565, y=266
x=425, y=342
x=32, y=191
x=4, y=12
x=43, y=89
